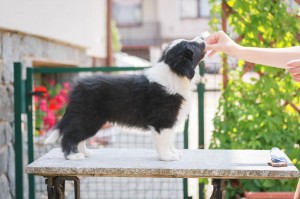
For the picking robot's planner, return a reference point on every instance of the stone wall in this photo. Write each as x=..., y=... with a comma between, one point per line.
x=20, y=47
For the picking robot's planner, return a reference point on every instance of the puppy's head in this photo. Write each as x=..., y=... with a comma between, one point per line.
x=183, y=56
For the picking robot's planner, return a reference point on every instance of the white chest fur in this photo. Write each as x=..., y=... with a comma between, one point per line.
x=174, y=84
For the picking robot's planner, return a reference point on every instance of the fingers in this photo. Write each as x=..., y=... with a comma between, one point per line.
x=213, y=38
x=294, y=63
x=294, y=69
x=215, y=42
x=214, y=49
x=212, y=53
x=211, y=50
x=211, y=47
x=296, y=77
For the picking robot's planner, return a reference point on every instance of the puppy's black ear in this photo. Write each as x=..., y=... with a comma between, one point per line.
x=190, y=71
x=184, y=65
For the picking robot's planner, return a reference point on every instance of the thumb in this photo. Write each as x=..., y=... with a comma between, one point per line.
x=212, y=47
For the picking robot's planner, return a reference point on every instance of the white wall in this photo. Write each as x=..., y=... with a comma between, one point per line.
x=78, y=22
x=149, y=11
x=172, y=26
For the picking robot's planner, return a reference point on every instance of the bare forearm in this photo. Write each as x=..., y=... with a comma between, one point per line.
x=275, y=57
x=288, y=58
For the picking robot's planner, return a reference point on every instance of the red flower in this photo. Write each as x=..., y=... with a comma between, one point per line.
x=67, y=85
x=60, y=99
x=41, y=89
x=51, y=82
x=63, y=93
x=49, y=120
x=51, y=103
x=43, y=105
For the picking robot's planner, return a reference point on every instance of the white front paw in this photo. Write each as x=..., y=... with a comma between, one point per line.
x=178, y=152
x=175, y=151
x=169, y=157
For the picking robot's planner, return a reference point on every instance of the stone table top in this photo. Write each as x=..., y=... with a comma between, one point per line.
x=112, y=162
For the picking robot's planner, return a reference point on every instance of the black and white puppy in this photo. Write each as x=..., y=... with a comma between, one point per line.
x=157, y=100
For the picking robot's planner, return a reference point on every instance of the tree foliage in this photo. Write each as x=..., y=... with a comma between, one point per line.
x=263, y=112
x=116, y=38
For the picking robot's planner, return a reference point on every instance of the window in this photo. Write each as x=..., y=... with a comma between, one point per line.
x=127, y=13
x=204, y=8
x=194, y=8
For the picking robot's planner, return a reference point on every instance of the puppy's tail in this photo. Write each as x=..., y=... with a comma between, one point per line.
x=53, y=137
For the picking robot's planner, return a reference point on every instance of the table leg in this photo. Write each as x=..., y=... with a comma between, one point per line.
x=50, y=187
x=56, y=186
x=77, y=188
x=219, y=190
x=60, y=187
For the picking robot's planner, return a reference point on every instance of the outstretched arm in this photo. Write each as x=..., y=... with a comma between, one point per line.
x=276, y=57
x=287, y=58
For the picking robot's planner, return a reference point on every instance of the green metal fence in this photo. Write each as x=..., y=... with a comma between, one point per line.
x=19, y=93
x=24, y=93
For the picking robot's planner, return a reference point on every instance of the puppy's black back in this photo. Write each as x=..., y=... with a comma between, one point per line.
x=127, y=100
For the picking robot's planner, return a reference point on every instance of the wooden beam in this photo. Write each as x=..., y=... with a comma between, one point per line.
x=109, y=53
x=224, y=58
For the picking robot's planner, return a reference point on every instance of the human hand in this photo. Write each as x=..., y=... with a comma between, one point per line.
x=294, y=69
x=220, y=41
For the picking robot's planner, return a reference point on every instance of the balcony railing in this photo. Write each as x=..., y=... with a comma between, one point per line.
x=145, y=34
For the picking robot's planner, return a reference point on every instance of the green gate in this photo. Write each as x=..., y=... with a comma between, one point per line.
x=23, y=103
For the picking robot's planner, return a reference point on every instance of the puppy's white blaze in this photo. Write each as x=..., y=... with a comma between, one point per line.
x=162, y=74
x=53, y=137
x=198, y=39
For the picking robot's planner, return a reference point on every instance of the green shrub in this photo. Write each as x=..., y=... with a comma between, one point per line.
x=264, y=112
x=253, y=116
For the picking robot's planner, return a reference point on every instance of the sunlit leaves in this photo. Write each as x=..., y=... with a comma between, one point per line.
x=260, y=114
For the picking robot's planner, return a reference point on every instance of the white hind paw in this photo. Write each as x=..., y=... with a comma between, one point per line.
x=82, y=149
x=87, y=152
x=75, y=156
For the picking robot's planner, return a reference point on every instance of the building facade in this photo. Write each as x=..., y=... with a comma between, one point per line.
x=145, y=25
x=31, y=51
x=39, y=33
